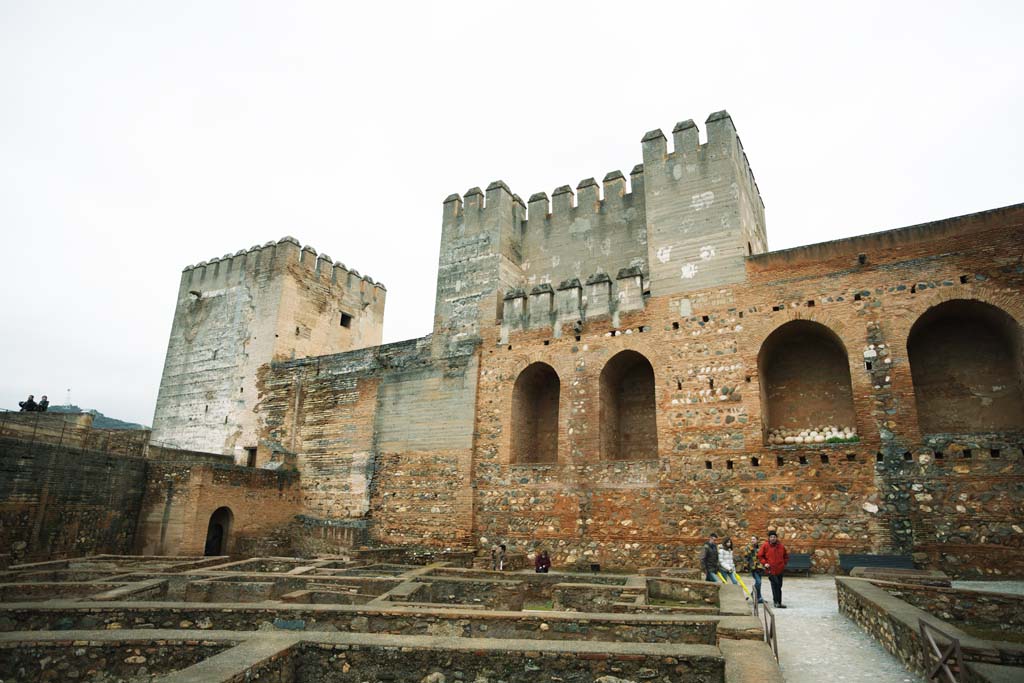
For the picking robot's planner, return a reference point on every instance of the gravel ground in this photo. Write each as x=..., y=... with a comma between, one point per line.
x=817, y=644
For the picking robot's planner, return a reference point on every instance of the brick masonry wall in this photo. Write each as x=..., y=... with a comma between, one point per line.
x=704, y=348
x=181, y=497
x=60, y=503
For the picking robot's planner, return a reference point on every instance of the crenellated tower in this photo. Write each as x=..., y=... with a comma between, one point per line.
x=684, y=221
x=278, y=301
x=704, y=212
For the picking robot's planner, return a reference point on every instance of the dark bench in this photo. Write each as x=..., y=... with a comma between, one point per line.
x=799, y=562
x=848, y=562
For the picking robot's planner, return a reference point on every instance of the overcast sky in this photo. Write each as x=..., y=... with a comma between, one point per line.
x=140, y=137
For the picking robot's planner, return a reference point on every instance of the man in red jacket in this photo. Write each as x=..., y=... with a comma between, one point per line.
x=774, y=557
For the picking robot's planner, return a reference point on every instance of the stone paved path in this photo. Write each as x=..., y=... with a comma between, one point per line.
x=817, y=644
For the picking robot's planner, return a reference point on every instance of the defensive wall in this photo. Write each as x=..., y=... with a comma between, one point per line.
x=614, y=374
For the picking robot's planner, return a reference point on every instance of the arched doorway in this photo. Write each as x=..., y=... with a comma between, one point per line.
x=967, y=365
x=805, y=379
x=629, y=429
x=217, y=532
x=535, y=415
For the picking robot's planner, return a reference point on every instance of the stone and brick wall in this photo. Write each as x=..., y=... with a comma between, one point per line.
x=56, y=502
x=181, y=497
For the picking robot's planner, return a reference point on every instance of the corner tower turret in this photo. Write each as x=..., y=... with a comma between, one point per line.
x=704, y=212
x=241, y=311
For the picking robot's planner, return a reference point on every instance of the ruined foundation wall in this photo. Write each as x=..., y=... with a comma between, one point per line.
x=55, y=502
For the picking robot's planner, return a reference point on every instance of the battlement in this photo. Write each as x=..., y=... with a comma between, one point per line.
x=232, y=269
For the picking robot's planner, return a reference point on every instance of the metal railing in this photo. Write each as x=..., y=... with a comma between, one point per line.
x=766, y=616
x=943, y=665
x=25, y=428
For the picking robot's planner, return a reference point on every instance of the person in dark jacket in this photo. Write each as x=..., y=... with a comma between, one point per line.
x=542, y=563
x=773, y=556
x=28, y=405
x=749, y=563
x=43, y=404
x=709, y=558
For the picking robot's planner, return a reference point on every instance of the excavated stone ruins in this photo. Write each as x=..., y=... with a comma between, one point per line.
x=131, y=619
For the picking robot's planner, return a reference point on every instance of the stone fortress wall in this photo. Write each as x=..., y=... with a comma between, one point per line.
x=608, y=375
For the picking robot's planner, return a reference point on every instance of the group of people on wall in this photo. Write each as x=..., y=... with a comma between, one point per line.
x=29, y=405
x=719, y=562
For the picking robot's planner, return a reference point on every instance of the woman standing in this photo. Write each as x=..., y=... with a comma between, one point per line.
x=726, y=563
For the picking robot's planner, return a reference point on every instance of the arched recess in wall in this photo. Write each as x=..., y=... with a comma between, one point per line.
x=629, y=429
x=967, y=364
x=218, y=532
x=535, y=399
x=805, y=379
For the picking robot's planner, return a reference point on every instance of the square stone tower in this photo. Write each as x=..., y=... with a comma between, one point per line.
x=234, y=314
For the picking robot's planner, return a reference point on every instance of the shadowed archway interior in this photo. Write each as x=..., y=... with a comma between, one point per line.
x=535, y=399
x=805, y=378
x=629, y=429
x=217, y=532
x=968, y=369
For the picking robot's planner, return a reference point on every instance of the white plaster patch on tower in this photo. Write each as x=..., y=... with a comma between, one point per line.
x=707, y=252
x=689, y=271
x=458, y=286
x=606, y=246
x=735, y=190
x=677, y=171
x=685, y=307
x=555, y=260
x=664, y=254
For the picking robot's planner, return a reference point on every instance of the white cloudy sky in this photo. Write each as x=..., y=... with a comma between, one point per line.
x=139, y=137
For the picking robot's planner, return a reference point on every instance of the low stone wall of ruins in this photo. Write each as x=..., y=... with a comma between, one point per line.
x=878, y=609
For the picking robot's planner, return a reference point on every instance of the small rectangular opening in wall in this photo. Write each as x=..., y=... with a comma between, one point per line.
x=707, y=464
x=803, y=459
x=967, y=453
x=879, y=457
x=776, y=308
x=913, y=289
x=755, y=462
x=728, y=464
x=963, y=279
x=509, y=347
x=824, y=458
x=675, y=326
x=577, y=337
x=856, y=297
x=939, y=455
x=741, y=314
x=867, y=365
x=250, y=456
x=747, y=378
x=779, y=461
x=810, y=303
x=851, y=457
x=705, y=318
x=547, y=342
x=346, y=319
x=994, y=452
x=907, y=456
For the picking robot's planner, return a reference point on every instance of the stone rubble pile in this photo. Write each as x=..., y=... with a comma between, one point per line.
x=819, y=434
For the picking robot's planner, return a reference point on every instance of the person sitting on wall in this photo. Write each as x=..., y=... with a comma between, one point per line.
x=28, y=405
x=498, y=557
x=709, y=558
x=43, y=404
x=543, y=562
